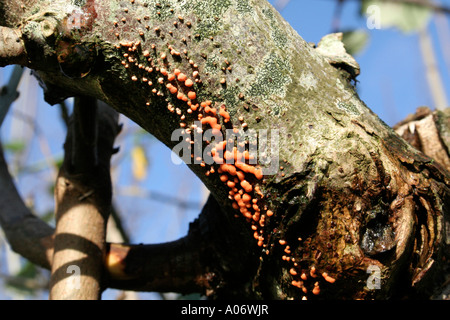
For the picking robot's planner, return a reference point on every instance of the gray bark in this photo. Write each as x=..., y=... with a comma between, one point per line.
x=349, y=195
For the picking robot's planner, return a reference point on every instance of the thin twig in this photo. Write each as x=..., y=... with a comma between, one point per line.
x=423, y=3
x=9, y=92
x=432, y=71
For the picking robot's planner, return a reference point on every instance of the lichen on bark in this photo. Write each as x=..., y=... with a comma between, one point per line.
x=347, y=194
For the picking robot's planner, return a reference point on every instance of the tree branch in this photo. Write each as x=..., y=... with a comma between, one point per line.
x=12, y=49
x=9, y=92
x=345, y=192
x=184, y=265
x=27, y=234
x=423, y=3
x=428, y=132
x=161, y=267
x=83, y=203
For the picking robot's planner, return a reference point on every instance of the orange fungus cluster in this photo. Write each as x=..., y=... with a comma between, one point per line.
x=159, y=68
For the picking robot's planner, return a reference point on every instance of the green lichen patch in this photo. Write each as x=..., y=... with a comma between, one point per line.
x=272, y=77
x=348, y=107
x=207, y=28
x=209, y=14
x=230, y=96
x=243, y=7
x=159, y=9
x=278, y=36
x=212, y=64
x=212, y=8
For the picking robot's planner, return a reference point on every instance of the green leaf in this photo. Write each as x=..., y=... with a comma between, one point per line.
x=407, y=17
x=355, y=41
x=15, y=146
x=28, y=270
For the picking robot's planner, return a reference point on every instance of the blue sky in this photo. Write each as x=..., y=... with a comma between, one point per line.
x=392, y=83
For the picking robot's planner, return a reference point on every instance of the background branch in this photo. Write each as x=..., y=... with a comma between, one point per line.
x=9, y=92
x=423, y=3
x=26, y=233
x=83, y=202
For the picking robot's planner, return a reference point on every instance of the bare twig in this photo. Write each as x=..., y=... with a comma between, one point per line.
x=336, y=22
x=423, y=3
x=9, y=92
x=157, y=196
x=432, y=71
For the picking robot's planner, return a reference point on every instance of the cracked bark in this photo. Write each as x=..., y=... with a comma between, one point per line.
x=349, y=193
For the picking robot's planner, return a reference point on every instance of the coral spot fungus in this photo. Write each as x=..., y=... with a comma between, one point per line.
x=151, y=60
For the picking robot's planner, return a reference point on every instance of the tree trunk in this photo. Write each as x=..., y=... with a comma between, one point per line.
x=336, y=205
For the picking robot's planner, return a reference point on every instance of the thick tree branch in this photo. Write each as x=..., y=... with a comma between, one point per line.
x=186, y=265
x=347, y=194
x=164, y=267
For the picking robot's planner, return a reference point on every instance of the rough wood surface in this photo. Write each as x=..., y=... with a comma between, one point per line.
x=341, y=195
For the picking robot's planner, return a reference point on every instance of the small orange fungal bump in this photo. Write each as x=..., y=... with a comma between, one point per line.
x=246, y=197
x=258, y=191
x=231, y=184
x=224, y=114
x=163, y=71
x=240, y=174
x=172, y=89
x=328, y=278
x=228, y=168
x=212, y=121
x=316, y=289
x=182, y=77
x=192, y=95
x=208, y=109
x=312, y=272
x=188, y=83
x=247, y=186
